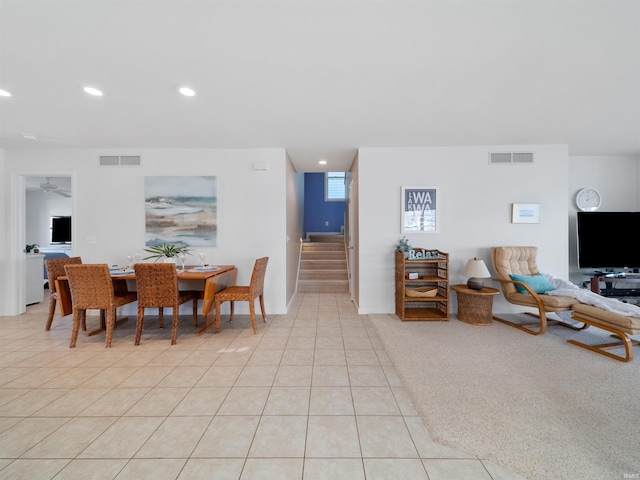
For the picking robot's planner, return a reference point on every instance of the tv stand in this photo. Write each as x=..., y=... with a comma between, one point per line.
x=609, y=279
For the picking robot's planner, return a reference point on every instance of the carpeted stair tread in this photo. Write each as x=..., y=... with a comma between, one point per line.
x=323, y=266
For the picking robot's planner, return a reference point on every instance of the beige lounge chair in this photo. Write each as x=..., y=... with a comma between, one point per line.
x=508, y=261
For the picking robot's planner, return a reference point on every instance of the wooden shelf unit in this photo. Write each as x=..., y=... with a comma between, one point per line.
x=432, y=272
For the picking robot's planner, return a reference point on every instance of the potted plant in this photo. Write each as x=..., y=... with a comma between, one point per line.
x=168, y=251
x=403, y=246
x=33, y=247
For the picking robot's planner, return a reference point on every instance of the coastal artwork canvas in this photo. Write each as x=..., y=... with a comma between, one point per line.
x=181, y=211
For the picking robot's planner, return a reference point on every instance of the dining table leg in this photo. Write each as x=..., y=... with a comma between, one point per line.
x=212, y=286
x=64, y=298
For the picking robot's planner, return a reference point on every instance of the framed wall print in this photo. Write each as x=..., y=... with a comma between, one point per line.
x=181, y=210
x=525, y=213
x=420, y=210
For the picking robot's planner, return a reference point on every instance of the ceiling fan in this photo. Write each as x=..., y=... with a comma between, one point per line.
x=53, y=188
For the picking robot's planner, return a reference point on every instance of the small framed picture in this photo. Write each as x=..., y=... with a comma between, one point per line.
x=525, y=213
x=420, y=210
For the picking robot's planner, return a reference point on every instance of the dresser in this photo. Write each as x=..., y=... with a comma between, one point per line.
x=34, y=278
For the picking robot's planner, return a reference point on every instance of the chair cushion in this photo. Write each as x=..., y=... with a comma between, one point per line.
x=516, y=260
x=630, y=325
x=551, y=303
x=513, y=261
x=538, y=283
x=234, y=293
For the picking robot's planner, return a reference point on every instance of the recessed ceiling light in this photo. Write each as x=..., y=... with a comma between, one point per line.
x=93, y=91
x=4, y=93
x=322, y=162
x=186, y=91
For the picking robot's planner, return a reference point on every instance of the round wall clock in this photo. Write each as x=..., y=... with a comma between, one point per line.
x=588, y=199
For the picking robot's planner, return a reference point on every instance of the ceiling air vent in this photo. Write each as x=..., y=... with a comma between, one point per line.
x=509, y=158
x=130, y=160
x=111, y=160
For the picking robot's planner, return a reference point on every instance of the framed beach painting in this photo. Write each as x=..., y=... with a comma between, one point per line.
x=181, y=210
x=419, y=210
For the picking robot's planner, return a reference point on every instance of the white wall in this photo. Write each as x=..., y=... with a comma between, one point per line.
x=354, y=229
x=295, y=226
x=108, y=204
x=475, y=210
x=3, y=229
x=476, y=201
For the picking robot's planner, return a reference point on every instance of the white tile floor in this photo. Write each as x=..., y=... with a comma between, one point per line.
x=312, y=396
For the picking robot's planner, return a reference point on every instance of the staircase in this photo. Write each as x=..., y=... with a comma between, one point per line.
x=323, y=266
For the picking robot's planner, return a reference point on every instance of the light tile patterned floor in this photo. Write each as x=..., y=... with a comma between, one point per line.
x=312, y=396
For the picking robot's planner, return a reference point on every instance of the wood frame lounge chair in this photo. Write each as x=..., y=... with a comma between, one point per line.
x=517, y=260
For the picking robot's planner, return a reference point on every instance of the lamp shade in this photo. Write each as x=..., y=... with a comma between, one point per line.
x=476, y=270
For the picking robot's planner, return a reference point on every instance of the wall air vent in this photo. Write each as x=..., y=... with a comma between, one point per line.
x=509, y=158
x=114, y=160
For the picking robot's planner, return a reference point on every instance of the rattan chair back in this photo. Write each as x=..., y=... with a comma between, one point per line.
x=55, y=269
x=91, y=288
x=245, y=294
x=157, y=286
x=257, y=277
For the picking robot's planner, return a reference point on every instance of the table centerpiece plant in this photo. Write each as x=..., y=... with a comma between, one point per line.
x=167, y=251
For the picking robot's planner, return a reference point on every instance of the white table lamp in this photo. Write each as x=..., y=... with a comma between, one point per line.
x=476, y=270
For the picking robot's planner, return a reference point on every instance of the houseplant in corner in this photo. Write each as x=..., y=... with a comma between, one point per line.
x=167, y=251
x=33, y=247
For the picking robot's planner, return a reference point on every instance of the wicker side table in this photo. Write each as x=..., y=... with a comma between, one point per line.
x=475, y=306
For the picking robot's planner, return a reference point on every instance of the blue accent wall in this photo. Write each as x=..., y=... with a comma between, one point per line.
x=316, y=210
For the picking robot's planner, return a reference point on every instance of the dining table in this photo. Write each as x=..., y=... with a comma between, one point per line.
x=208, y=281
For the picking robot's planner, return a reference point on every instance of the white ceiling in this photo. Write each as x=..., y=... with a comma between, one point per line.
x=321, y=78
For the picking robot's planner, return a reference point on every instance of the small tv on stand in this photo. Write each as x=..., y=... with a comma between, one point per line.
x=60, y=230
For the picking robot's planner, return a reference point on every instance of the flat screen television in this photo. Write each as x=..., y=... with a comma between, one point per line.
x=608, y=240
x=60, y=230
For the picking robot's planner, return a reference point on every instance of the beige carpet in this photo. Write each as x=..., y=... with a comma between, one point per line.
x=535, y=405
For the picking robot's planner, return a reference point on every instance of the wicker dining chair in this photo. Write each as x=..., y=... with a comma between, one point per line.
x=55, y=269
x=92, y=289
x=245, y=294
x=157, y=285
